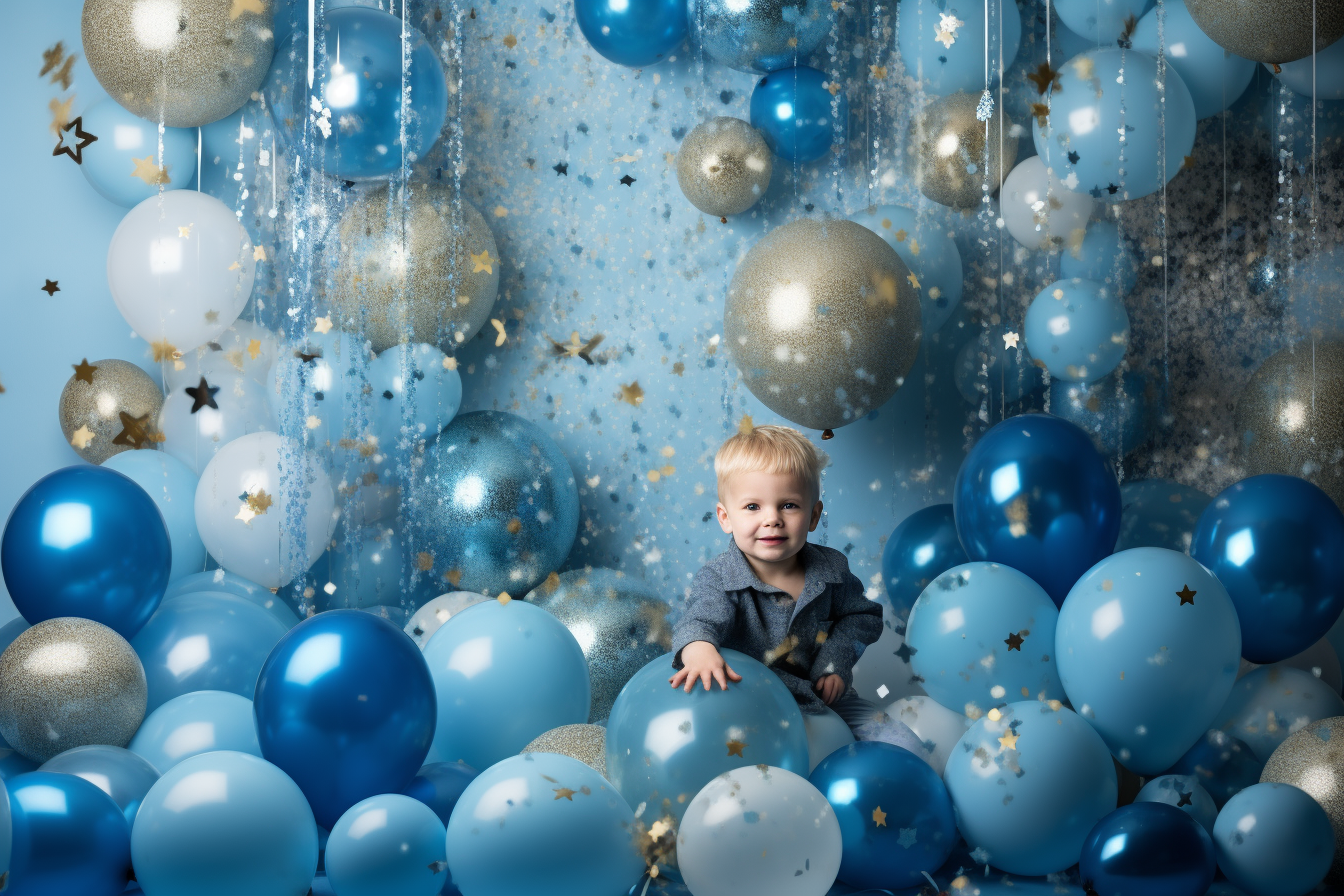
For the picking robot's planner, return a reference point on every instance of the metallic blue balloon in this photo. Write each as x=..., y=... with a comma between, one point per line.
x=1035, y=495
x=1277, y=545
x=345, y=706
x=1223, y=764
x=871, y=781
x=1078, y=329
x=636, y=33
x=383, y=846
x=439, y=785
x=124, y=165
x=86, y=541
x=117, y=772
x=1147, y=849
x=922, y=547
x=199, y=722
x=70, y=839
x=797, y=115
x=759, y=36
x=1273, y=838
x=1185, y=793
x=1159, y=513
x=14, y=763
x=1114, y=420
x=1103, y=256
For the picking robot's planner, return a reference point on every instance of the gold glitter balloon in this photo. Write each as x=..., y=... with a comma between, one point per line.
x=185, y=62
x=449, y=278
x=822, y=318
x=947, y=145
x=1271, y=31
x=108, y=407
x=1313, y=760
x=1290, y=417
x=723, y=166
x=586, y=743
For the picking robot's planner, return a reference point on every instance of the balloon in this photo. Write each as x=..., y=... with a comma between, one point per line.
x=387, y=845
x=1040, y=212
x=1284, y=31
x=222, y=824
x=1102, y=256
x=1271, y=702
x=1185, y=793
x=373, y=120
x=195, y=723
x=1273, y=840
x=430, y=617
x=1319, y=660
x=823, y=321
x=981, y=631
x=12, y=763
x=345, y=706
x=929, y=253
x=439, y=785
x=1320, y=75
x=126, y=166
x=180, y=267
x=635, y=34
x=796, y=113
x=244, y=348
x=499, y=508
x=987, y=368
x=1163, y=621
x=723, y=166
x=117, y=772
x=894, y=814
x=1102, y=21
x=584, y=742
x=1112, y=413
x=1215, y=77
x=319, y=380
x=922, y=547
x=368, y=568
x=1028, y=781
x=1034, y=494
x=826, y=733
x=417, y=391
x=1221, y=763
x=937, y=726
x=109, y=407
x=1092, y=104
x=578, y=831
x=958, y=160
x=758, y=36
x=198, y=420
x=1310, y=760
x=1148, y=848
x=70, y=838
x=1078, y=329
x=172, y=485
x=943, y=45
x=883, y=672
x=84, y=541
x=226, y=582
x=1159, y=513
x=275, y=478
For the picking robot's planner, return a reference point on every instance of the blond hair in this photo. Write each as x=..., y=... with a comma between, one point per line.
x=770, y=449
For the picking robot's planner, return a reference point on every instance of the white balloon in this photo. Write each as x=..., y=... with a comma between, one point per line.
x=429, y=618
x=1039, y=210
x=883, y=672
x=826, y=733
x=246, y=348
x=195, y=436
x=253, y=496
x=180, y=267
x=932, y=723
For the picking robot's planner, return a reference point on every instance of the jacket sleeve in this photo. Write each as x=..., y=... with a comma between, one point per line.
x=858, y=623
x=709, y=615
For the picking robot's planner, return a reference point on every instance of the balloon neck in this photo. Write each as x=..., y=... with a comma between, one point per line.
x=827, y=434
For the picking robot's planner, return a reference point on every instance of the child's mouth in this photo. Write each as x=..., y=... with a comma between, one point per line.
x=772, y=539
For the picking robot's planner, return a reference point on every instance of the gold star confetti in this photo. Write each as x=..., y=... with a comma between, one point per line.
x=632, y=394
x=322, y=325
x=65, y=74
x=878, y=71
x=84, y=371
x=241, y=6
x=745, y=425
x=564, y=793
x=1010, y=339
x=147, y=171
x=514, y=526
x=135, y=431
x=914, y=281
x=879, y=817
x=1188, y=163
x=164, y=350
x=1186, y=595
x=1042, y=113
x=254, y=348
x=900, y=235
x=735, y=747
x=510, y=41
x=503, y=597
x=482, y=262
x=51, y=57
x=832, y=86
x=82, y=437
x=1085, y=68
x=1008, y=741
x=449, y=363
x=577, y=347
x=260, y=502
x=424, y=561
x=60, y=114
x=185, y=232
x=658, y=829
x=258, y=253
x=500, y=336
x=1045, y=78
x=212, y=317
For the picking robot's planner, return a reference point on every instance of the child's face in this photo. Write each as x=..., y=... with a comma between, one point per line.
x=768, y=514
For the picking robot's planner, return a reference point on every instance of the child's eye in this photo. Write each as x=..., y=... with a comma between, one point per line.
x=753, y=507
x=790, y=504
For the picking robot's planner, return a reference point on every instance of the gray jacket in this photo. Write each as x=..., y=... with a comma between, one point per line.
x=824, y=632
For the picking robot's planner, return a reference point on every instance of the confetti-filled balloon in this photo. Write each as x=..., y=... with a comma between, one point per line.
x=1039, y=211
x=954, y=156
x=1185, y=793
x=927, y=250
x=1112, y=410
x=1103, y=255
x=943, y=44
x=636, y=34
x=1216, y=78
x=586, y=743
x=797, y=114
x=1311, y=760
x=1223, y=764
x=1274, y=839
x=1264, y=696
x=196, y=722
x=118, y=772
x=125, y=165
x=758, y=36
x=922, y=547
x=387, y=845
x=1148, y=847
x=200, y=418
x=1158, y=513
x=108, y=407
x=1102, y=21
x=1078, y=329
x=70, y=837
x=724, y=166
x=1283, y=31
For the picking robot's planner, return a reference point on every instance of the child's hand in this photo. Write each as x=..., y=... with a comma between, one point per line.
x=829, y=687
x=700, y=661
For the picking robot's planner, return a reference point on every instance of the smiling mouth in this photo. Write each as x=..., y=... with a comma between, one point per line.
x=772, y=538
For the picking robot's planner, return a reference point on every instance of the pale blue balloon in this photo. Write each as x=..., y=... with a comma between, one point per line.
x=1269, y=703
x=952, y=59
x=1185, y=793
x=1078, y=329
x=1102, y=256
x=1159, y=513
x=128, y=145
x=1100, y=21
x=416, y=392
x=1028, y=781
x=222, y=824
x=117, y=772
x=387, y=845
x=1216, y=78
x=986, y=367
x=1328, y=66
x=1148, y=647
x=172, y=485
x=982, y=633
x=504, y=673
x=927, y=251
x=195, y=723
x=230, y=583
x=1114, y=417
x=577, y=830
x=1273, y=840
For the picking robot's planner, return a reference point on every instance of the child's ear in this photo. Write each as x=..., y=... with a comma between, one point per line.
x=722, y=513
x=816, y=517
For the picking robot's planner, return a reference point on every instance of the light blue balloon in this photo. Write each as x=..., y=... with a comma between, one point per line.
x=1078, y=328
x=1271, y=702
x=1102, y=256
x=927, y=251
x=1028, y=782
x=1113, y=418
x=987, y=367
x=1328, y=83
x=504, y=673
x=1080, y=140
x=416, y=395
x=576, y=826
x=1159, y=513
x=230, y=583
x=1216, y=78
x=1148, y=647
x=128, y=144
x=953, y=59
x=222, y=824
x=117, y=772
x=1273, y=840
x=320, y=379
x=387, y=845
x=172, y=485
x=1185, y=793
x=195, y=723
x=980, y=633
x=1100, y=21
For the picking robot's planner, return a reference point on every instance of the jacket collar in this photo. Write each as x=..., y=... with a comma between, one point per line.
x=819, y=570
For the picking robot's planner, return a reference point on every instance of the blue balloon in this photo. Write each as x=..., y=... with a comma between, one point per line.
x=1277, y=545
x=1273, y=839
x=1148, y=649
x=758, y=36
x=172, y=485
x=357, y=135
x=576, y=826
x=943, y=44
x=199, y=722
x=318, y=380
x=930, y=254
x=1100, y=21
x=14, y=763
x=85, y=541
x=988, y=369
x=117, y=772
x=1159, y=513
x=635, y=34
x=124, y=163
x=871, y=780
x=369, y=568
x=1103, y=256
x=1320, y=75
x=1216, y=78
x=1079, y=139
x=1148, y=849
x=229, y=146
x=345, y=706
x=1185, y=793
x=70, y=839
x=387, y=845
x=1035, y=495
x=1078, y=329
x=1028, y=781
x=797, y=115
x=205, y=642
x=439, y=785
x=416, y=393
x=220, y=582
x=1223, y=764
x=980, y=632
x=1114, y=421
x=224, y=824
x=922, y=547
x=1269, y=703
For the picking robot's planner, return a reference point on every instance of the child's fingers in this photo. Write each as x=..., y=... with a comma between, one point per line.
x=731, y=674
x=718, y=676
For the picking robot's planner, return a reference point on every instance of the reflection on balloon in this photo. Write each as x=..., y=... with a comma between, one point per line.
x=922, y=547
x=69, y=837
x=118, y=772
x=723, y=166
x=108, y=408
x=636, y=34
x=796, y=113
x=126, y=165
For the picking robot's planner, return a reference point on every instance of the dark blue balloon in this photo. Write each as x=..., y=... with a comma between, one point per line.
x=1035, y=495
x=797, y=114
x=439, y=784
x=1277, y=545
x=70, y=839
x=1222, y=764
x=87, y=541
x=346, y=707
x=1147, y=849
x=632, y=32
x=923, y=547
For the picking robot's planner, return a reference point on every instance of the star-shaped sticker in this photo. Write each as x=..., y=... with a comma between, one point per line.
x=153, y=175
x=879, y=817
x=60, y=115
x=322, y=325
x=564, y=793
x=84, y=371
x=632, y=394
x=1186, y=595
x=735, y=747
x=627, y=180
x=135, y=431
x=82, y=437
x=1014, y=642
x=1008, y=741
x=82, y=139
x=241, y=6
x=907, y=838
x=1010, y=339
x=50, y=287
x=561, y=168
x=202, y=396
x=577, y=348
x=1045, y=78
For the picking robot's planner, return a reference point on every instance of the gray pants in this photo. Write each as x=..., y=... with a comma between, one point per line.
x=868, y=721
